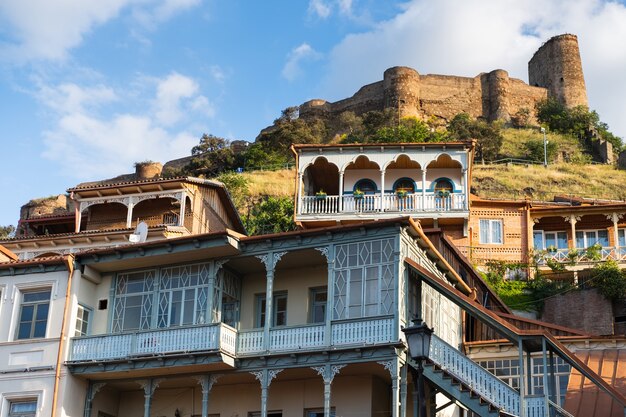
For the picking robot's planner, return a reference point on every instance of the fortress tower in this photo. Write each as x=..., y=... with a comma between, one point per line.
x=557, y=67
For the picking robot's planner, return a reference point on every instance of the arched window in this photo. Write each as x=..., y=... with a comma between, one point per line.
x=365, y=185
x=404, y=184
x=443, y=184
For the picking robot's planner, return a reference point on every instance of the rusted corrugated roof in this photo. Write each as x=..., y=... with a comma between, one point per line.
x=583, y=397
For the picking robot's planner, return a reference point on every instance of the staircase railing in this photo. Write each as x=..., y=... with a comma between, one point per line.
x=473, y=375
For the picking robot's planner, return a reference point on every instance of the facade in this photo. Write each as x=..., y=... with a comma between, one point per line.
x=107, y=213
x=355, y=183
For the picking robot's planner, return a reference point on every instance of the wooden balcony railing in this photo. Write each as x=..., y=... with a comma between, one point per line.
x=411, y=203
x=219, y=336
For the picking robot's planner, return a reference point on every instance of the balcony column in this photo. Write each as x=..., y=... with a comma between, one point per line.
x=149, y=386
x=78, y=207
x=340, y=191
x=382, y=190
x=423, y=189
x=547, y=390
x=572, y=219
x=393, y=367
x=522, y=380
x=327, y=372
x=206, y=382
x=299, y=193
x=183, y=203
x=329, y=253
x=465, y=190
x=269, y=260
x=615, y=218
x=130, y=204
x=265, y=377
x=91, y=394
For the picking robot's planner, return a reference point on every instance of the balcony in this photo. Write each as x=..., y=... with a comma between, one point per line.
x=221, y=337
x=580, y=256
x=381, y=204
x=212, y=337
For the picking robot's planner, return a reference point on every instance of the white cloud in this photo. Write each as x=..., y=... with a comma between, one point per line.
x=345, y=7
x=474, y=36
x=89, y=142
x=218, y=73
x=301, y=53
x=44, y=29
x=319, y=8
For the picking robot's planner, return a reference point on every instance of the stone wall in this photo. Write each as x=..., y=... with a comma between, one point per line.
x=555, y=69
x=566, y=310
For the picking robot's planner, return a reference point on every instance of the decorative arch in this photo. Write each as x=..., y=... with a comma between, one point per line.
x=402, y=161
x=361, y=162
x=444, y=160
x=318, y=160
x=443, y=183
x=321, y=175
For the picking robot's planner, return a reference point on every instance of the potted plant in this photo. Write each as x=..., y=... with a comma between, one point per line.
x=320, y=195
x=443, y=193
x=358, y=194
x=401, y=192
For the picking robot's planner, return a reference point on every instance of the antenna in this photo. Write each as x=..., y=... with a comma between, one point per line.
x=140, y=234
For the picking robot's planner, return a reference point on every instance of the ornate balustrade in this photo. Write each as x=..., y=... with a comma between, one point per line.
x=535, y=406
x=392, y=203
x=296, y=338
x=479, y=379
x=162, y=341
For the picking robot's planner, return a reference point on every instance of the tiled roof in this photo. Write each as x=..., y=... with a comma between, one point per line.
x=131, y=179
x=583, y=398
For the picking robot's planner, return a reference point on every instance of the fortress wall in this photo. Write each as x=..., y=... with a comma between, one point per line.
x=523, y=96
x=445, y=96
x=368, y=98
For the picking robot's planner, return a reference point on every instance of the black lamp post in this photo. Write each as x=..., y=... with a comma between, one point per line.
x=418, y=337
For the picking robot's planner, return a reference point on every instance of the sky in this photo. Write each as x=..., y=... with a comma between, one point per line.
x=90, y=87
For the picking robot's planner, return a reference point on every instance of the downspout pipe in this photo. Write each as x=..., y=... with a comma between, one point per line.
x=69, y=263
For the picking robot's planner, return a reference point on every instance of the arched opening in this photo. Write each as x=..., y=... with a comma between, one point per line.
x=365, y=186
x=403, y=173
x=321, y=176
x=405, y=185
x=158, y=212
x=443, y=185
x=105, y=216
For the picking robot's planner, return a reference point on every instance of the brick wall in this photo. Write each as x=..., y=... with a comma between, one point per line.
x=586, y=310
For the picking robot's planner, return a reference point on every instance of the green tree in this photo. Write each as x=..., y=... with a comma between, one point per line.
x=534, y=150
x=488, y=136
x=211, y=156
x=7, y=232
x=271, y=215
x=237, y=186
x=610, y=280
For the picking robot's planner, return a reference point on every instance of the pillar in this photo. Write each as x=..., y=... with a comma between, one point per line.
x=206, y=382
x=130, y=204
x=299, y=194
x=91, y=393
x=340, y=191
x=572, y=219
x=149, y=386
x=327, y=373
x=77, y=216
x=329, y=253
x=614, y=217
x=403, y=389
x=423, y=189
x=393, y=366
x=382, y=190
x=183, y=203
x=265, y=377
x=465, y=190
x=269, y=260
x=546, y=385
x=522, y=379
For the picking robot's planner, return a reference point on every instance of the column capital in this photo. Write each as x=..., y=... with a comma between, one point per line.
x=325, y=250
x=328, y=372
x=271, y=259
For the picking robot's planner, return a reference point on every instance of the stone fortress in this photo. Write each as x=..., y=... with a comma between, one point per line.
x=555, y=70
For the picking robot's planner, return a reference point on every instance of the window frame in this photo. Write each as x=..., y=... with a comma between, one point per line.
x=37, y=303
x=585, y=241
x=544, y=242
x=313, y=304
x=8, y=398
x=490, y=240
x=308, y=411
x=259, y=319
x=358, y=185
x=88, y=310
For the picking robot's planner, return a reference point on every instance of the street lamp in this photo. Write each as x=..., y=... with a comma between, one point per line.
x=545, y=148
x=418, y=338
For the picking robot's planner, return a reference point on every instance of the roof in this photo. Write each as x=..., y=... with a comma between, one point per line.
x=307, y=146
x=584, y=398
x=131, y=179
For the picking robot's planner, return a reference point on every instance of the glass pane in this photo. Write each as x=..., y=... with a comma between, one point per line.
x=550, y=239
x=484, y=231
x=496, y=226
x=622, y=237
x=24, y=407
x=24, y=331
x=591, y=238
x=42, y=312
x=36, y=296
x=603, y=238
x=538, y=240
x=40, y=329
x=561, y=238
x=580, y=240
x=27, y=313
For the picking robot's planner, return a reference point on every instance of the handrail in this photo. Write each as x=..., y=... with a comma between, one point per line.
x=559, y=409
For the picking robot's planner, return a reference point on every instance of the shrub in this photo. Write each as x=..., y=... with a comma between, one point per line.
x=609, y=280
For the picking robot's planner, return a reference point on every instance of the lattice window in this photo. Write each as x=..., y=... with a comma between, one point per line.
x=364, y=280
x=183, y=295
x=133, y=301
x=226, y=295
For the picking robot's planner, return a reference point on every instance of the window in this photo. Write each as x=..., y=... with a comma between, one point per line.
x=279, y=310
x=621, y=236
x=366, y=185
x=546, y=240
x=587, y=238
x=319, y=297
x=443, y=184
x=34, y=314
x=491, y=231
x=22, y=408
x=82, y=321
x=404, y=184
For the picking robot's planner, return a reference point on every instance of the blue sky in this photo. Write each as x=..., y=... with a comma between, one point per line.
x=90, y=87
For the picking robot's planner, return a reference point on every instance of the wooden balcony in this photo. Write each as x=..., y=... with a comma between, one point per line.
x=376, y=205
x=223, y=338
